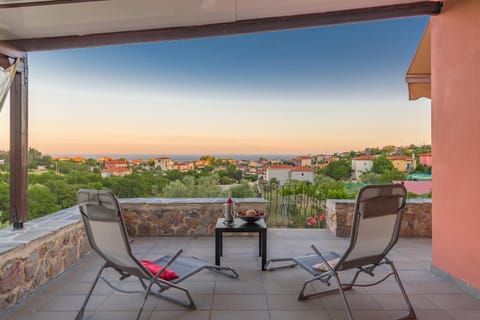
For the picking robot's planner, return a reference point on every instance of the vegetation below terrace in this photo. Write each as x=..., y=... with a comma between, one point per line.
x=55, y=187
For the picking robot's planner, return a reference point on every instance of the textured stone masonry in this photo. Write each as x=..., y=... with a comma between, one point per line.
x=34, y=263
x=417, y=218
x=179, y=217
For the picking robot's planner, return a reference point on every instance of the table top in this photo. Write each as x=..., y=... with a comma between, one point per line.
x=240, y=225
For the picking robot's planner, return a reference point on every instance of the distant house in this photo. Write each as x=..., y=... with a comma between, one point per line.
x=103, y=159
x=112, y=171
x=116, y=164
x=164, y=163
x=280, y=172
x=361, y=164
x=199, y=164
x=183, y=166
x=79, y=159
x=425, y=159
x=136, y=162
x=301, y=174
x=302, y=161
x=403, y=163
x=2, y=161
x=283, y=173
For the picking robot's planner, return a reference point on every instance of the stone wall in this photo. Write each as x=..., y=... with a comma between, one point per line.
x=179, y=217
x=36, y=254
x=417, y=219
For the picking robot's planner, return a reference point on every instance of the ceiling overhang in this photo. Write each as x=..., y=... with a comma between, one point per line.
x=32, y=25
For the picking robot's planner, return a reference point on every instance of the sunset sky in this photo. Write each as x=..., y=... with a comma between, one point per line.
x=309, y=91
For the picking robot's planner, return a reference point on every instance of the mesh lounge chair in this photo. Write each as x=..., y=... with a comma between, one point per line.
x=102, y=216
x=375, y=230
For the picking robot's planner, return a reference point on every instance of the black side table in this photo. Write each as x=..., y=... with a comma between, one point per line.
x=241, y=226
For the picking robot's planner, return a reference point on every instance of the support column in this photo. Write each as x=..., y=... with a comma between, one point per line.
x=19, y=146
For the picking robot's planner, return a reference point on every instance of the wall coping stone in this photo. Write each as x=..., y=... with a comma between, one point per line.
x=40, y=227
x=414, y=200
x=188, y=200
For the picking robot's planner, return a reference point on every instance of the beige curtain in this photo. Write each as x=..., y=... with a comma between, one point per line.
x=6, y=79
x=419, y=73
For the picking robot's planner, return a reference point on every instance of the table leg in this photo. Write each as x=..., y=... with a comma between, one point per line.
x=260, y=244
x=221, y=244
x=263, y=235
x=218, y=242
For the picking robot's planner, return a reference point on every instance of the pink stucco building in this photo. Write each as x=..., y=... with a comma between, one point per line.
x=425, y=159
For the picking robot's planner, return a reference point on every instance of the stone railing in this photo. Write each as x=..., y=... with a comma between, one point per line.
x=179, y=217
x=417, y=219
x=36, y=254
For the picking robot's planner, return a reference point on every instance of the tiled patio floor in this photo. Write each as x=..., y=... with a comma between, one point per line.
x=256, y=294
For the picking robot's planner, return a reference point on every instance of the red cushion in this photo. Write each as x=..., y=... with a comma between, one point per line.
x=155, y=268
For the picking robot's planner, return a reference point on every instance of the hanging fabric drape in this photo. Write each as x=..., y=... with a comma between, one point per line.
x=6, y=79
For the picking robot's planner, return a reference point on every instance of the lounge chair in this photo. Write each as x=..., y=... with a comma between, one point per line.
x=102, y=216
x=375, y=230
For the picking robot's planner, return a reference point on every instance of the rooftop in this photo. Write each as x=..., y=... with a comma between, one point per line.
x=256, y=294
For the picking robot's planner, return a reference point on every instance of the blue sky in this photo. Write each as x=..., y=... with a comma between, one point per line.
x=312, y=90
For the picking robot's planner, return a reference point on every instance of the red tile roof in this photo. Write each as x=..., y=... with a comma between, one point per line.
x=406, y=158
x=116, y=170
x=365, y=158
x=302, y=169
x=280, y=166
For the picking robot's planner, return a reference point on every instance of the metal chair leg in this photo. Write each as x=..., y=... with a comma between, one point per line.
x=344, y=297
x=82, y=309
x=303, y=296
x=411, y=313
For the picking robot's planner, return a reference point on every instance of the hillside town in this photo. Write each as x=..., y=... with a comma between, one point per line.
x=414, y=162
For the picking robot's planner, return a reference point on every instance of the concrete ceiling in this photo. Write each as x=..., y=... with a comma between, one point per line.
x=22, y=21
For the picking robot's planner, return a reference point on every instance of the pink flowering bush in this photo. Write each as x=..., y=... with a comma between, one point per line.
x=318, y=220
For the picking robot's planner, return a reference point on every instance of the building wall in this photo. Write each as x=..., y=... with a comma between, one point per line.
x=302, y=175
x=425, y=160
x=455, y=132
x=280, y=174
x=403, y=165
x=361, y=166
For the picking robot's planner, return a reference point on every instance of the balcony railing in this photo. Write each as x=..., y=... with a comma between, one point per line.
x=293, y=205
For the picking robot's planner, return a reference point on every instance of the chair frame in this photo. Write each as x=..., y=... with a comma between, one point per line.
x=365, y=265
x=145, y=277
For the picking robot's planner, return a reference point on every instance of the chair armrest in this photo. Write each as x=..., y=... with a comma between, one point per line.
x=169, y=262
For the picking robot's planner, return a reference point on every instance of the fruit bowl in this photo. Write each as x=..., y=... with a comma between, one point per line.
x=251, y=215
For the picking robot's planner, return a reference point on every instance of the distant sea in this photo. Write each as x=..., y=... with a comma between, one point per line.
x=181, y=157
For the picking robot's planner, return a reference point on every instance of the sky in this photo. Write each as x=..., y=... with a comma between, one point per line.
x=307, y=91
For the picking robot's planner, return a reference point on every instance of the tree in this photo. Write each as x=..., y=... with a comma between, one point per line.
x=392, y=175
x=4, y=202
x=339, y=170
x=324, y=186
x=381, y=164
x=243, y=190
x=41, y=201
x=371, y=178
x=387, y=176
x=65, y=193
